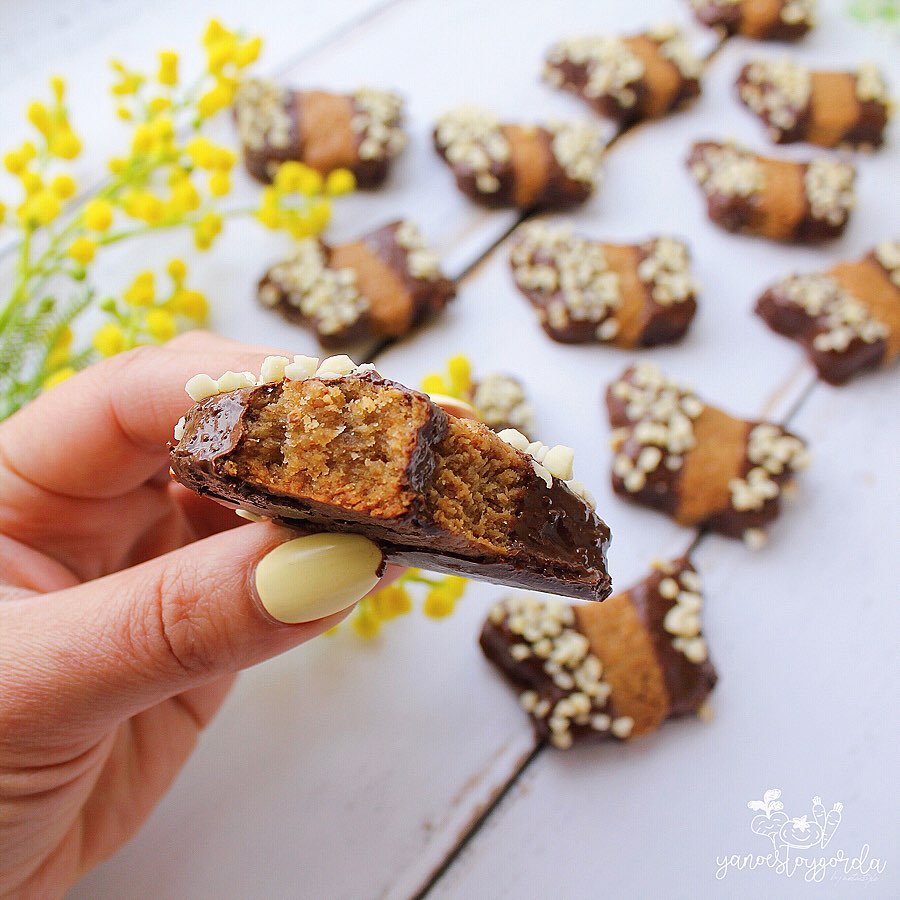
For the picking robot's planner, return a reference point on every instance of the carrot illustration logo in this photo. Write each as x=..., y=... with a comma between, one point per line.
x=791, y=835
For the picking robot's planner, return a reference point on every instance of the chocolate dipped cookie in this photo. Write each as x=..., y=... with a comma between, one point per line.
x=381, y=285
x=552, y=166
x=830, y=109
x=847, y=319
x=326, y=131
x=627, y=79
x=584, y=291
x=617, y=669
x=337, y=447
x=760, y=20
x=696, y=463
x=801, y=202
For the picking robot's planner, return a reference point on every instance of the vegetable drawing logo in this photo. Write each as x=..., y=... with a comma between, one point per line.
x=798, y=845
x=799, y=833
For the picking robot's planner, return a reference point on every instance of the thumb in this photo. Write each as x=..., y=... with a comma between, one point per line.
x=97, y=653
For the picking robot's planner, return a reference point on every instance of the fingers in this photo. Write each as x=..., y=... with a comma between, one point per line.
x=92, y=655
x=104, y=431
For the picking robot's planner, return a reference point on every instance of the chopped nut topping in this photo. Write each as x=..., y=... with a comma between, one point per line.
x=829, y=189
x=472, y=137
x=376, y=121
x=675, y=48
x=729, y=170
x=842, y=317
x=261, y=110
x=501, y=400
x=662, y=412
x=421, y=262
x=778, y=90
x=329, y=297
x=578, y=149
x=570, y=270
x=888, y=255
x=796, y=12
x=666, y=270
x=870, y=84
x=612, y=69
x=548, y=632
x=772, y=452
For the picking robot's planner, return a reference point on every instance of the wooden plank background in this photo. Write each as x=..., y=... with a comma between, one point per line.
x=372, y=770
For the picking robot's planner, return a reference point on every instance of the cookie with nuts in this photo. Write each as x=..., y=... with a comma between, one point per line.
x=333, y=446
x=847, y=319
x=761, y=20
x=550, y=166
x=627, y=79
x=616, y=669
x=360, y=131
x=694, y=462
x=381, y=285
x=830, y=109
x=801, y=202
x=585, y=291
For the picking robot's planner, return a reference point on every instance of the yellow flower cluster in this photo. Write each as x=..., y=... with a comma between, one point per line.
x=171, y=176
x=297, y=200
x=456, y=382
x=396, y=600
x=44, y=193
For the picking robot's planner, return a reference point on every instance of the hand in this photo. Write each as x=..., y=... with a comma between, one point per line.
x=127, y=603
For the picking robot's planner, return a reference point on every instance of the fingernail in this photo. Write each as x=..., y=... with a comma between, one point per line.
x=314, y=576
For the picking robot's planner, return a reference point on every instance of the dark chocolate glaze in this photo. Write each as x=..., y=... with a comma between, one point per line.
x=576, y=77
x=777, y=134
x=688, y=684
x=559, y=191
x=556, y=544
x=729, y=21
x=741, y=214
x=662, y=490
x=428, y=297
x=789, y=319
x=263, y=162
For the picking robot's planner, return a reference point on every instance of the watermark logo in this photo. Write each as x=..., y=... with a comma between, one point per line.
x=798, y=844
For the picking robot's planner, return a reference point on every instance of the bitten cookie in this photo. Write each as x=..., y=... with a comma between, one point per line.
x=359, y=131
x=628, y=295
x=803, y=202
x=381, y=285
x=627, y=79
x=762, y=20
x=825, y=108
x=332, y=446
x=847, y=318
x=550, y=166
x=694, y=462
x=614, y=669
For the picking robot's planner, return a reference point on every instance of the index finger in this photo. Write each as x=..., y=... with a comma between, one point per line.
x=104, y=431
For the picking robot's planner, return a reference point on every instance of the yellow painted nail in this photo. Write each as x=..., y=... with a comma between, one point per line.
x=316, y=575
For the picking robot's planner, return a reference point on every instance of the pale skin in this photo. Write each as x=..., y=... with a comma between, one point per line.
x=126, y=607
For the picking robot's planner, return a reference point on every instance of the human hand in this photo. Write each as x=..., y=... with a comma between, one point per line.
x=127, y=603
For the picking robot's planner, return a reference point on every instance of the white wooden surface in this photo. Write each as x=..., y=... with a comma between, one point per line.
x=357, y=770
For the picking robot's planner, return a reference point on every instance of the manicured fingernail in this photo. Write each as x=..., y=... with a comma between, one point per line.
x=314, y=576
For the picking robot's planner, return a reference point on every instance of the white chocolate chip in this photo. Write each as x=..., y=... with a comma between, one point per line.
x=302, y=367
x=234, y=381
x=514, y=438
x=558, y=460
x=622, y=726
x=273, y=369
x=336, y=365
x=200, y=387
